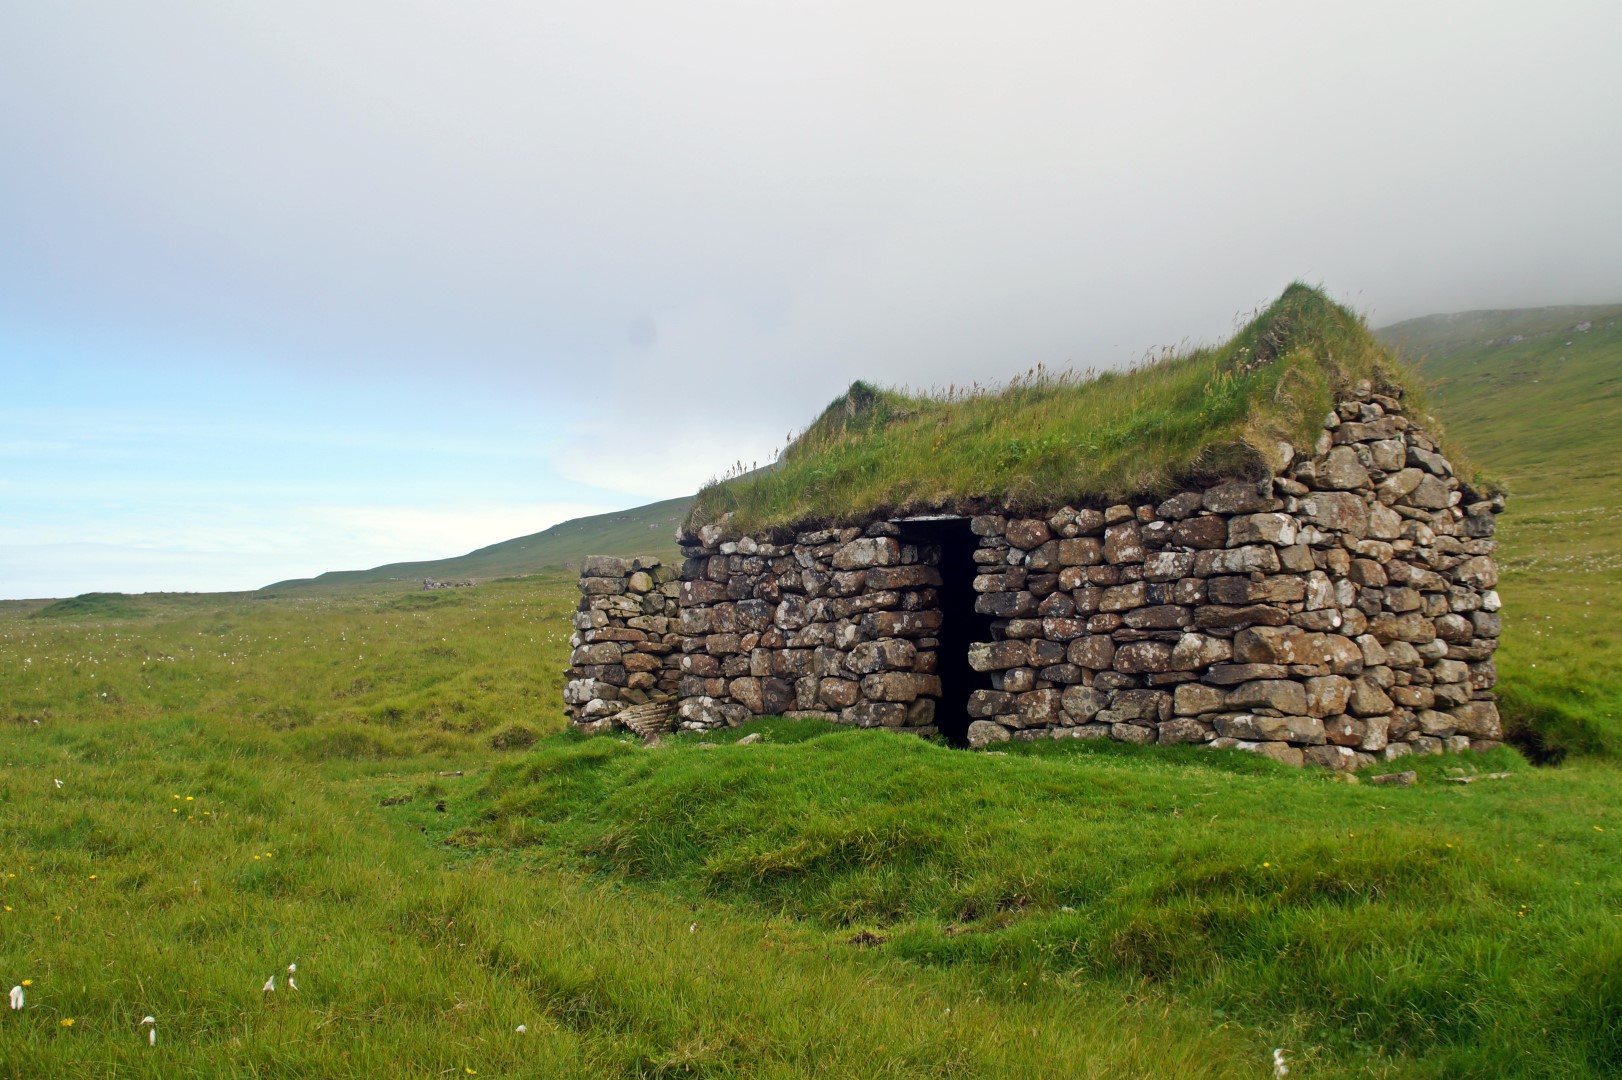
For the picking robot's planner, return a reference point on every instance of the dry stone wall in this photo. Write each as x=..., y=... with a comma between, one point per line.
x=1337, y=612
x=625, y=645
x=838, y=625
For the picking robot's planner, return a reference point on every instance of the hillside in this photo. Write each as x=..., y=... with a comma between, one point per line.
x=1539, y=403
x=642, y=530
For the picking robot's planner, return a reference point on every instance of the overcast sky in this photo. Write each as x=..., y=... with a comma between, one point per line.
x=294, y=287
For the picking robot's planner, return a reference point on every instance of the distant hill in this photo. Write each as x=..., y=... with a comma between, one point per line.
x=644, y=530
x=1535, y=394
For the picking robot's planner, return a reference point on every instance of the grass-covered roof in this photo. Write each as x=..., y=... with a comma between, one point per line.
x=1045, y=440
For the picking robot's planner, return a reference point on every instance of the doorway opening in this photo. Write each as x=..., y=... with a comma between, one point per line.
x=961, y=625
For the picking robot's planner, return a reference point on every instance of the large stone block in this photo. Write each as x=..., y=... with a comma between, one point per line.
x=867, y=551
x=1027, y=533
x=1341, y=470
x=885, y=654
x=899, y=686
x=871, y=714
x=990, y=703
x=1193, y=698
x=1279, y=645
x=1182, y=730
x=1006, y=605
x=1081, y=551
x=1040, y=708
x=694, y=593
x=1251, y=727
x=1273, y=528
x=1242, y=497
x=1478, y=719
x=1123, y=543
x=1255, y=558
x=1143, y=656
x=1366, y=699
x=605, y=653
x=1284, y=695
x=998, y=655
x=1082, y=703
x=983, y=733
x=1327, y=695
x=1095, y=652
x=1201, y=533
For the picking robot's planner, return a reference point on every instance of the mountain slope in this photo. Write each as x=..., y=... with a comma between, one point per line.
x=642, y=530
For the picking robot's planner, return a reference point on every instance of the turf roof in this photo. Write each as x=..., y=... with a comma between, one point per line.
x=1046, y=440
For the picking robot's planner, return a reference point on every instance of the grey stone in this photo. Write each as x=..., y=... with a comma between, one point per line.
x=983, y=733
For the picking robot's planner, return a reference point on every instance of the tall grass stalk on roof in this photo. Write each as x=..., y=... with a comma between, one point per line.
x=1045, y=439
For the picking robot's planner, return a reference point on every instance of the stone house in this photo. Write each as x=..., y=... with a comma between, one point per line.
x=1337, y=609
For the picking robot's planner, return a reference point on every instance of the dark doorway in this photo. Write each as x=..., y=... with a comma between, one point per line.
x=961, y=625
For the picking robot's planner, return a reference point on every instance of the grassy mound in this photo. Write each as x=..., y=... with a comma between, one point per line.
x=1419, y=931
x=1045, y=440
x=94, y=605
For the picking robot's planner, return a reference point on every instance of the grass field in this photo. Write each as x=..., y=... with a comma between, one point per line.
x=260, y=786
x=371, y=783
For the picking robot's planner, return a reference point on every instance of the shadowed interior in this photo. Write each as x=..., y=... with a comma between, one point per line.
x=961, y=625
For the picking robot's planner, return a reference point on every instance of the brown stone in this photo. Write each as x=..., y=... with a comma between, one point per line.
x=1337, y=510
x=1201, y=533
x=899, y=686
x=1327, y=695
x=1027, y=533
x=1081, y=551
x=1366, y=699
x=1096, y=653
x=1242, y=497
x=1123, y=543
x=1182, y=730
x=997, y=655
x=1082, y=703
x=1143, y=656
x=1006, y=604
x=1219, y=616
x=1255, y=728
x=1191, y=699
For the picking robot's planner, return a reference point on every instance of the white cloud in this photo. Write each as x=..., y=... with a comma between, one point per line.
x=247, y=550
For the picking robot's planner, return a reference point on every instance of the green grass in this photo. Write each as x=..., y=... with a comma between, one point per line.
x=1545, y=415
x=831, y=903
x=255, y=782
x=1433, y=931
x=1045, y=440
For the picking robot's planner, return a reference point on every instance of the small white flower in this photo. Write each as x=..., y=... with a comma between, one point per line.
x=59, y=783
x=292, y=968
x=291, y=985
x=270, y=984
x=693, y=929
x=520, y=1029
x=1279, y=1068
x=16, y=997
